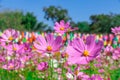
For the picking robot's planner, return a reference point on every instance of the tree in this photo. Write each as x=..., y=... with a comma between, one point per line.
x=11, y=19
x=41, y=27
x=29, y=21
x=83, y=27
x=18, y=20
x=56, y=14
x=101, y=23
x=115, y=20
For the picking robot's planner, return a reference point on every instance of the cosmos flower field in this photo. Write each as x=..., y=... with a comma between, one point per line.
x=59, y=56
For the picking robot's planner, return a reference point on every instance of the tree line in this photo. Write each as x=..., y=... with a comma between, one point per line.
x=101, y=23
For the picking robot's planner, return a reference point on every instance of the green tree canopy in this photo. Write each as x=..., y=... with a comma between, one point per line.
x=29, y=21
x=103, y=23
x=100, y=23
x=41, y=26
x=18, y=20
x=56, y=14
x=83, y=27
x=11, y=19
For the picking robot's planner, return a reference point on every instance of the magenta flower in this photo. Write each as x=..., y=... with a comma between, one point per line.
x=42, y=66
x=82, y=53
x=24, y=48
x=63, y=27
x=116, y=30
x=12, y=65
x=108, y=50
x=13, y=48
x=48, y=44
x=95, y=77
x=82, y=76
x=101, y=70
x=25, y=58
x=27, y=47
x=2, y=59
x=116, y=54
x=9, y=35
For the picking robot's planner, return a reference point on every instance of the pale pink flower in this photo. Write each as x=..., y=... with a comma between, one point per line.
x=42, y=66
x=48, y=44
x=116, y=54
x=13, y=48
x=101, y=70
x=82, y=53
x=12, y=65
x=82, y=76
x=63, y=27
x=95, y=77
x=108, y=50
x=9, y=35
x=2, y=59
x=116, y=30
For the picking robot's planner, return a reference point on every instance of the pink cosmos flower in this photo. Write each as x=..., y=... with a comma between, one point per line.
x=9, y=35
x=42, y=66
x=98, y=65
x=116, y=54
x=101, y=70
x=63, y=27
x=95, y=77
x=48, y=44
x=77, y=74
x=2, y=44
x=82, y=76
x=116, y=30
x=27, y=47
x=58, y=70
x=108, y=50
x=24, y=58
x=2, y=59
x=24, y=48
x=13, y=48
x=12, y=65
x=82, y=53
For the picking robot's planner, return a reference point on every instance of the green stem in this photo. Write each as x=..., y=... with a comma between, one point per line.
x=51, y=62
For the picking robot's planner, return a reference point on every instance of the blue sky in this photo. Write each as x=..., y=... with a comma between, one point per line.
x=79, y=10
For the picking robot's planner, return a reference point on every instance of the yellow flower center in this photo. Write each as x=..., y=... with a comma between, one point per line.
x=11, y=66
x=14, y=48
x=66, y=55
x=86, y=53
x=76, y=72
x=62, y=28
x=10, y=38
x=57, y=54
x=34, y=48
x=49, y=48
